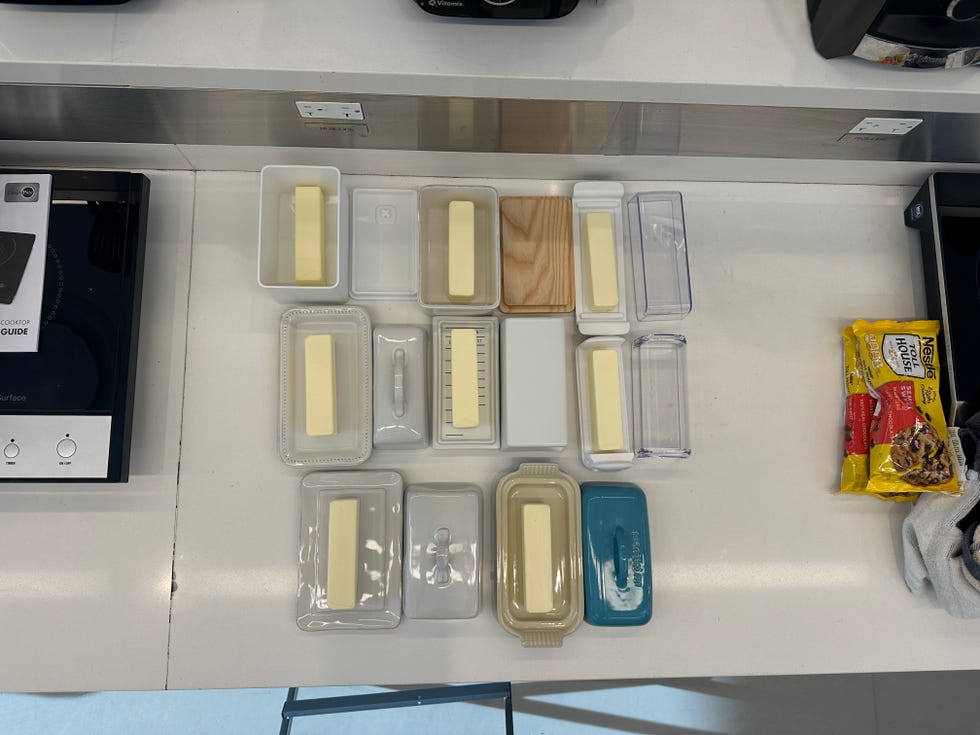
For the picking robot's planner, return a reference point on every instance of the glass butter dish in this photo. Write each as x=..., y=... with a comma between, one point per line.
x=661, y=276
x=350, y=551
x=325, y=386
x=539, y=555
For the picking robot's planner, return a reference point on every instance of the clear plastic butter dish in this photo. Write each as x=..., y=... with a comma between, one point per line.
x=603, y=400
x=661, y=276
x=459, y=249
x=660, y=420
x=443, y=551
x=540, y=594
x=303, y=249
x=384, y=243
x=325, y=386
x=350, y=551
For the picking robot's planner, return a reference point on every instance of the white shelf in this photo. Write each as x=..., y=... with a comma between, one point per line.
x=740, y=52
x=85, y=586
x=758, y=567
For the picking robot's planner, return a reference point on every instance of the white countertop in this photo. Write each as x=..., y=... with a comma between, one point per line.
x=86, y=568
x=742, y=52
x=758, y=567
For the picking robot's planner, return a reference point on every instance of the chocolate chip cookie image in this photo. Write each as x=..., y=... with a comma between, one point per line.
x=921, y=456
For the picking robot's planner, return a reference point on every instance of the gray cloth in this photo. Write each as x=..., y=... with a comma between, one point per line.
x=933, y=549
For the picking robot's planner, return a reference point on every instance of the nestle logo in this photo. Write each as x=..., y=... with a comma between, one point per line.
x=11, y=398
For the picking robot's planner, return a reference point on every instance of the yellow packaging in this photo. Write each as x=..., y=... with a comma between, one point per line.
x=859, y=406
x=909, y=450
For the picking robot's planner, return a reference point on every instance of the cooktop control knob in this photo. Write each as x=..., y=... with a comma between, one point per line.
x=11, y=451
x=66, y=448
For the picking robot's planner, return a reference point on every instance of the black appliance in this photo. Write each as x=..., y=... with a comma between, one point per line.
x=66, y=411
x=946, y=211
x=15, y=251
x=914, y=33
x=501, y=9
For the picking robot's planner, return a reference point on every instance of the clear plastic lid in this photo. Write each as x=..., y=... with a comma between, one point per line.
x=661, y=276
x=660, y=426
x=443, y=551
x=604, y=426
x=384, y=243
x=540, y=596
x=337, y=394
x=434, y=251
x=350, y=551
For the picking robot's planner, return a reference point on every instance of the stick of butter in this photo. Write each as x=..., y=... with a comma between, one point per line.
x=462, y=275
x=466, y=394
x=538, y=572
x=311, y=267
x=342, y=554
x=605, y=386
x=321, y=385
x=600, y=258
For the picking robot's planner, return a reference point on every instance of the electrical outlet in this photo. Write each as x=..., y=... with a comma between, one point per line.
x=330, y=110
x=885, y=125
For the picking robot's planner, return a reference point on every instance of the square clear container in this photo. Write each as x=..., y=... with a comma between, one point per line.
x=486, y=435
x=592, y=456
x=520, y=566
x=589, y=197
x=401, y=388
x=661, y=276
x=384, y=244
x=434, y=248
x=351, y=330
x=660, y=426
x=375, y=553
x=277, y=232
x=443, y=551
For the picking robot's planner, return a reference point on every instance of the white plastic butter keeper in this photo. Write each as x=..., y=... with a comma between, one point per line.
x=465, y=365
x=600, y=365
x=350, y=551
x=533, y=385
x=384, y=243
x=443, y=551
x=481, y=264
x=325, y=386
x=277, y=233
x=401, y=394
x=600, y=262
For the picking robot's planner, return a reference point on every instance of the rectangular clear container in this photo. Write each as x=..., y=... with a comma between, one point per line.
x=401, y=392
x=434, y=248
x=598, y=197
x=661, y=276
x=443, y=551
x=377, y=548
x=351, y=330
x=593, y=457
x=540, y=485
x=660, y=426
x=384, y=243
x=277, y=228
x=486, y=435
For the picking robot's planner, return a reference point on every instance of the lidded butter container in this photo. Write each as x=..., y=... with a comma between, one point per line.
x=539, y=555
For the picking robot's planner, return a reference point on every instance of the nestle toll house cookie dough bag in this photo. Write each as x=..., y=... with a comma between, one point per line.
x=909, y=448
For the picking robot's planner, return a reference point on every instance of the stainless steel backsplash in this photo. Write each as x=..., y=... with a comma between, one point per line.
x=392, y=122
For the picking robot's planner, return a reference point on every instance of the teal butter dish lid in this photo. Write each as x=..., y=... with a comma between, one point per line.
x=616, y=551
